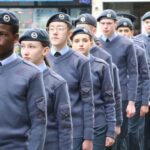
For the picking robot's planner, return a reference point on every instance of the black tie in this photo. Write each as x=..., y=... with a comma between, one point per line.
x=57, y=54
x=107, y=40
x=0, y=64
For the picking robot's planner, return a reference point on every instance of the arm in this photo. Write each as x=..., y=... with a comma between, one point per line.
x=36, y=103
x=132, y=80
x=109, y=103
x=145, y=82
x=88, y=101
x=63, y=109
x=118, y=97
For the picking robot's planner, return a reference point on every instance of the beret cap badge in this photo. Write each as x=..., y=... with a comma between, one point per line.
x=61, y=16
x=82, y=19
x=109, y=15
x=125, y=23
x=34, y=35
x=6, y=18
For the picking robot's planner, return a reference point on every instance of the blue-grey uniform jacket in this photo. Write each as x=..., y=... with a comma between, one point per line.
x=103, y=95
x=117, y=96
x=102, y=54
x=124, y=56
x=59, y=121
x=22, y=107
x=75, y=69
x=143, y=91
x=146, y=40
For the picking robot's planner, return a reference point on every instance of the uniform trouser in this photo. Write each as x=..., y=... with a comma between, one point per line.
x=121, y=143
x=141, y=132
x=147, y=132
x=99, y=138
x=77, y=143
x=133, y=129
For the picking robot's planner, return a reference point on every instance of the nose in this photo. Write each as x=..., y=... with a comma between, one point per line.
x=24, y=51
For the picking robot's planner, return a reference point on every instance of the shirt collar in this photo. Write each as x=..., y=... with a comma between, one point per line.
x=104, y=38
x=9, y=59
x=146, y=34
x=42, y=67
x=64, y=50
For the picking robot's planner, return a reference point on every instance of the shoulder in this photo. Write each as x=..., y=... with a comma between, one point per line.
x=79, y=57
x=29, y=66
x=124, y=40
x=99, y=61
x=54, y=78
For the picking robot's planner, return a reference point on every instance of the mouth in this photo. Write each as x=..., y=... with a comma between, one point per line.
x=81, y=49
x=26, y=58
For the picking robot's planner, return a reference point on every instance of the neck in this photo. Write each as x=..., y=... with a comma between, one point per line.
x=6, y=55
x=59, y=47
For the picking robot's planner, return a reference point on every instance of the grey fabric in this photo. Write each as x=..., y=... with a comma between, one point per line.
x=117, y=96
x=103, y=96
x=22, y=107
x=124, y=56
x=75, y=69
x=59, y=124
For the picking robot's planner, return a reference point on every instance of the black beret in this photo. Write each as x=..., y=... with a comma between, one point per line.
x=86, y=19
x=146, y=16
x=8, y=17
x=129, y=16
x=108, y=13
x=80, y=31
x=60, y=17
x=125, y=22
x=35, y=34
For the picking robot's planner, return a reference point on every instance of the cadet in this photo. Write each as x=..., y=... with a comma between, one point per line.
x=22, y=94
x=145, y=37
x=75, y=68
x=104, y=127
x=89, y=22
x=125, y=28
x=123, y=55
x=34, y=47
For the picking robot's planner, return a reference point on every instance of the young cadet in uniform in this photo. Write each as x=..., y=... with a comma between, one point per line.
x=34, y=47
x=75, y=68
x=145, y=37
x=22, y=94
x=89, y=22
x=125, y=28
x=104, y=126
x=123, y=55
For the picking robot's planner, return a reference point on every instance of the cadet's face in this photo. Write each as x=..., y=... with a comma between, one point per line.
x=125, y=31
x=7, y=40
x=58, y=34
x=32, y=51
x=82, y=43
x=146, y=24
x=107, y=26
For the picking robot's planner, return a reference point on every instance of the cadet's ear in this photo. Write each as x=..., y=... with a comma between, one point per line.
x=16, y=38
x=46, y=50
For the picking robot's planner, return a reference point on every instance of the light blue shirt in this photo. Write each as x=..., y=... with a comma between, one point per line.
x=146, y=34
x=63, y=51
x=104, y=38
x=9, y=59
x=42, y=67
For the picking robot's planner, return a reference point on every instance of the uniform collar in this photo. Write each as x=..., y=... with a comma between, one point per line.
x=63, y=51
x=104, y=38
x=42, y=67
x=146, y=34
x=9, y=59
